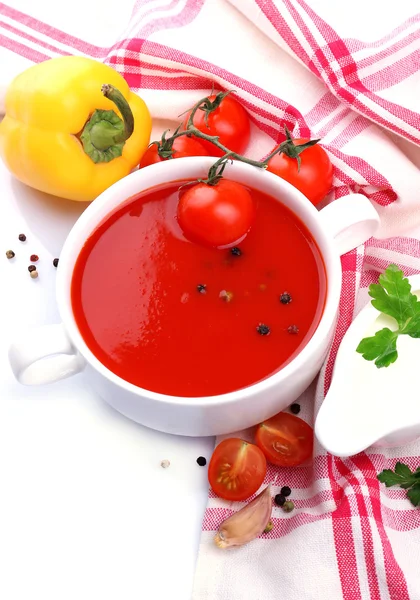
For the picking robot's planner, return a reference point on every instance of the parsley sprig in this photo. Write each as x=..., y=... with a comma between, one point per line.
x=391, y=296
x=405, y=478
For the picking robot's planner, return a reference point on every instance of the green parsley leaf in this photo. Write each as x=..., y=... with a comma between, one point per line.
x=403, y=470
x=382, y=346
x=414, y=494
x=392, y=296
x=405, y=478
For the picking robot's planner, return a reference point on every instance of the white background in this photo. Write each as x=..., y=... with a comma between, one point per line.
x=86, y=511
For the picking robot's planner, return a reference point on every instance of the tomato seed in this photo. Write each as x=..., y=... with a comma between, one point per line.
x=293, y=329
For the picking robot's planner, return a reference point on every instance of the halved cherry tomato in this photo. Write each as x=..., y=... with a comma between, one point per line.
x=237, y=469
x=286, y=440
x=216, y=215
x=182, y=146
x=313, y=178
x=229, y=121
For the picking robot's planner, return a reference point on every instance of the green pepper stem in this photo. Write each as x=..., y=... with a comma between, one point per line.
x=110, y=92
x=104, y=135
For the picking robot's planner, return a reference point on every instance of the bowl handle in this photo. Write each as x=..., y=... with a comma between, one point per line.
x=44, y=355
x=350, y=220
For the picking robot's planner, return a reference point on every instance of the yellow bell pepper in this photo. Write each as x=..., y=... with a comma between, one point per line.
x=68, y=134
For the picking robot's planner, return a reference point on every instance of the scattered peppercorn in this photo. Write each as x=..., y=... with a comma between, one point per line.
x=34, y=274
x=263, y=329
x=293, y=329
x=285, y=298
x=226, y=296
x=286, y=491
x=202, y=288
x=34, y=258
x=165, y=463
x=288, y=506
x=295, y=408
x=10, y=254
x=268, y=527
x=22, y=237
x=201, y=461
x=236, y=251
x=31, y=268
x=55, y=262
x=279, y=499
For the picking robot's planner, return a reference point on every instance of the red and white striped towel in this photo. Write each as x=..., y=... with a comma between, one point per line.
x=348, y=73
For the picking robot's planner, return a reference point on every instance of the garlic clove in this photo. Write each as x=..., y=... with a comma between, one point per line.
x=246, y=524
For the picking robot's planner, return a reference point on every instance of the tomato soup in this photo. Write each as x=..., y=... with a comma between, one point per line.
x=181, y=319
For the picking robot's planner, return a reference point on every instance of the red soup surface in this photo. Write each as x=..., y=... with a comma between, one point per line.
x=177, y=318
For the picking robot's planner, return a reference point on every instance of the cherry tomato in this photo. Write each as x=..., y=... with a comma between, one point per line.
x=229, y=121
x=314, y=177
x=236, y=469
x=216, y=215
x=182, y=146
x=286, y=440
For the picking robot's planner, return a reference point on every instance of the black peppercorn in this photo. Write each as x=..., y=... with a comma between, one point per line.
x=55, y=262
x=285, y=491
x=201, y=461
x=236, y=251
x=31, y=268
x=295, y=408
x=285, y=298
x=202, y=288
x=293, y=329
x=22, y=237
x=263, y=329
x=279, y=499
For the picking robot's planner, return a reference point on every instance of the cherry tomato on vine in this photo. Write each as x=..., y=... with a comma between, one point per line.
x=182, y=146
x=225, y=117
x=237, y=469
x=286, y=440
x=313, y=176
x=217, y=214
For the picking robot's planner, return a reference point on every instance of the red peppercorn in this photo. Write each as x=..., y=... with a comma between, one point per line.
x=34, y=258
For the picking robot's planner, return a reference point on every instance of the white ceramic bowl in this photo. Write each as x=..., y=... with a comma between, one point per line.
x=59, y=351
